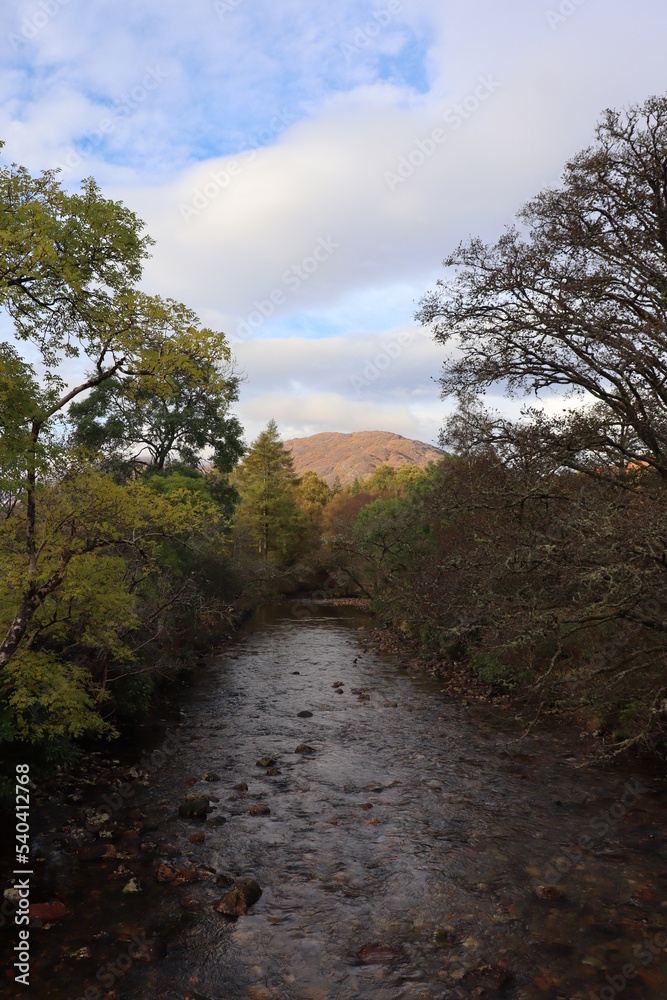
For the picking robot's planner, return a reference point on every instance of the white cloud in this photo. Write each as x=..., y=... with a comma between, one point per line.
x=335, y=123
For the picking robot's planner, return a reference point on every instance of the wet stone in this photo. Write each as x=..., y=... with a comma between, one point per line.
x=46, y=912
x=148, y=950
x=304, y=748
x=235, y=903
x=266, y=762
x=194, y=807
x=304, y=715
x=260, y=810
x=377, y=954
x=549, y=893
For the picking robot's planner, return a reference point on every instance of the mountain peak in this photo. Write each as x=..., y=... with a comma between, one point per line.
x=357, y=455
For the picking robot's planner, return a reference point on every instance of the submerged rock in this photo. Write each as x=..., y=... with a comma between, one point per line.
x=260, y=810
x=377, y=954
x=305, y=714
x=180, y=874
x=46, y=912
x=266, y=762
x=93, y=852
x=148, y=950
x=304, y=748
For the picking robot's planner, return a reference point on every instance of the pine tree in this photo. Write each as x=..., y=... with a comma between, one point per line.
x=268, y=508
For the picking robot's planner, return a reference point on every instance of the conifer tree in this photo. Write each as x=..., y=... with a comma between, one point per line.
x=268, y=508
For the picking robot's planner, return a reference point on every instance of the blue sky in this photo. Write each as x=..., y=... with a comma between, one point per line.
x=280, y=154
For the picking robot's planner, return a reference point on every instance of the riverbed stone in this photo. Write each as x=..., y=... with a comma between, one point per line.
x=377, y=954
x=304, y=748
x=217, y=821
x=194, y=806
x=96, y=851
x=47, y=912
x=260, y=810
x=235, y=903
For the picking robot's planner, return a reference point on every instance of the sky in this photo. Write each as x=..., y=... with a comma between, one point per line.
x=304, y=167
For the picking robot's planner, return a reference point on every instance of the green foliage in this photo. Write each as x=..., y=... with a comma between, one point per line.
x=106, y=579
x=268, y=512
x=51, y=698
x=498, y=673
x=173, y=416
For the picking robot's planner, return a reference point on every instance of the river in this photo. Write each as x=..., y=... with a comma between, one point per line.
x=422, y=849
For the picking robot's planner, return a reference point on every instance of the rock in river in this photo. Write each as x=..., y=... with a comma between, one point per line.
x=304, y=748
x=377, y=954
x=46, y=912
x=260, y=811
x=235, y=903
x=194, y=806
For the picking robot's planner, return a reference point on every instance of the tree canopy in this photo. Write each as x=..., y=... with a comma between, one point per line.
x=574, y=298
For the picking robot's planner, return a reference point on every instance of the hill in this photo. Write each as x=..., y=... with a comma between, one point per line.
x=357, y=455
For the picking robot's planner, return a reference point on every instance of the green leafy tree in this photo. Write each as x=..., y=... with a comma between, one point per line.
x=171, y=419
x=312, y=494
x=69, y=264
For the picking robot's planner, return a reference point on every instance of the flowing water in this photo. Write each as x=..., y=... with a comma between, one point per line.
x=484, y=864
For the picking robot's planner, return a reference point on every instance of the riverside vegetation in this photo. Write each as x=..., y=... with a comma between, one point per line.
x=136, y=525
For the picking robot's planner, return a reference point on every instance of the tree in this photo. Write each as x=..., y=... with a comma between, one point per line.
x=173, y=418
x=68, y=267
x=576, y=299
x=312, y=495
x=268, y=508
x=551, y=529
